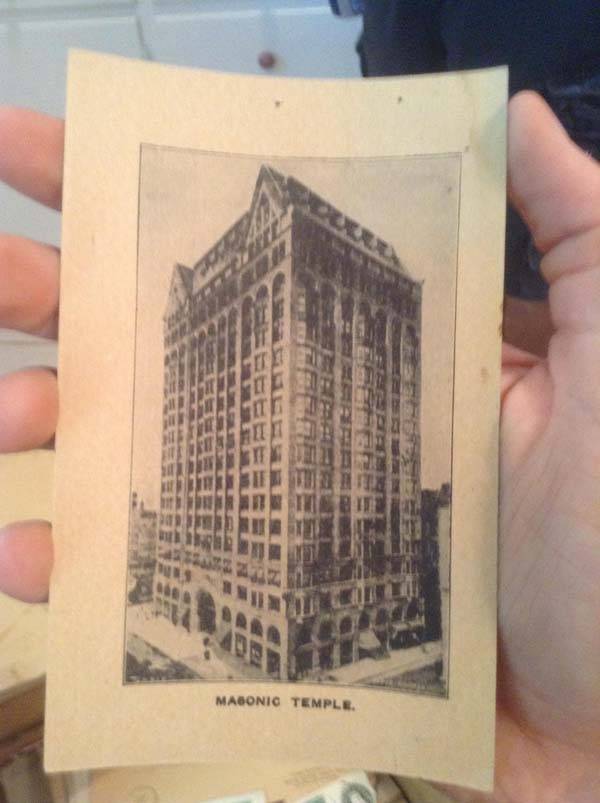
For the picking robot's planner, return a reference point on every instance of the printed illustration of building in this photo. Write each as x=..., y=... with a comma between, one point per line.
x=142, y=535
x=290, y=501
x=143, y=532
x=435, y=550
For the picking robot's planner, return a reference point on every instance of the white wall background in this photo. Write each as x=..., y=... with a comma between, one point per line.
x=303, y=36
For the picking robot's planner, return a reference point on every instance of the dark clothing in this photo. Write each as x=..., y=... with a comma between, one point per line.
x=543, y=41
x=552, y=46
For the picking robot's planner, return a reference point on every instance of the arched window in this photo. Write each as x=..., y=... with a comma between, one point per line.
x=347, y=319
x=412, y=610
x=304, y=634
x=325, y=631
x=347, y=308
x=167, y=590
x=312, y=313
x=397, y=614
x=411, y=347
x=159, y=588
x=261, y=315
x=301, y=298
x=210, y=349
x=396, y=348
x=187, y=598
x=226, y=615
x=175, y=593
x=278, y=284
x=273, y=635
x=256, y=628
x=364, y=327
x=278, y=307
x=201, y=348
x=380, y=329
x=232, y=290
x=382, y=616
x=346, y=625
x=328, y=317
x=240, y=621
x=364, y=621
x=247, y=316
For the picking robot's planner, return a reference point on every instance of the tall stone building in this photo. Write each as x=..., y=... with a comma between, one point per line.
x=290, y=499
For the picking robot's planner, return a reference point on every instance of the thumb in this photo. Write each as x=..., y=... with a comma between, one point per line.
x=553, y=183
x=556, y=188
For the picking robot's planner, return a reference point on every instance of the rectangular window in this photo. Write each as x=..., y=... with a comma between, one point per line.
x=325, y=602
x=257, y=551
x=346, y=596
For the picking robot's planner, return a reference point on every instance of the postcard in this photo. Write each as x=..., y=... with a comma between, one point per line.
x=277, y=456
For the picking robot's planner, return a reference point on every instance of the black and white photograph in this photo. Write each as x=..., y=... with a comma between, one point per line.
x=291, y=483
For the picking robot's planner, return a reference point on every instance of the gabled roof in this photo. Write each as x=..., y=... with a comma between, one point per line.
x=313, y=205
x=283, y=191
x=219, y=255
x=186, y=275
x=180, y=290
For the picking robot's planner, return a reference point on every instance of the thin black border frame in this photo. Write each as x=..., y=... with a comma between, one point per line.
x=277, y=157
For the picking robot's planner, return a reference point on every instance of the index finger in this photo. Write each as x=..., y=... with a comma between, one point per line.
x=31, y=154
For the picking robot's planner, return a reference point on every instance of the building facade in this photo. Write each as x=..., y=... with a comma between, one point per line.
x=290, y=500
x=143, y=539
x=143, y=528
x=435, y=551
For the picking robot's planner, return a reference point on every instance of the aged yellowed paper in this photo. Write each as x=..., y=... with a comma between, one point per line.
x=217, y=781
x=276, y=475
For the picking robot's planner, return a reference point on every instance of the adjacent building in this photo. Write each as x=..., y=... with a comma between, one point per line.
x=435, y=540
x=143, y=539
x=143, y=532
x=290, y=521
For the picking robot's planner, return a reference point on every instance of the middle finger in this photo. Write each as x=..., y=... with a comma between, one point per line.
x=29, y=286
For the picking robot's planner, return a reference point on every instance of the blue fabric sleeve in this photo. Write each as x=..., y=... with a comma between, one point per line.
x=346, y=8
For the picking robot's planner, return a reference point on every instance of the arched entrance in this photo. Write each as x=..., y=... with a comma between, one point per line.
x=207, y=613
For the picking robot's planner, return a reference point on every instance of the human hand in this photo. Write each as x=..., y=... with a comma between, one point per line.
x=548, y=724
x=548, y=733
x=31, y=148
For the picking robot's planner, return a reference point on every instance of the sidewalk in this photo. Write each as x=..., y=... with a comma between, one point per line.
x=175, y=642
x=188, y=648
x=375, y=671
